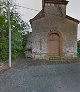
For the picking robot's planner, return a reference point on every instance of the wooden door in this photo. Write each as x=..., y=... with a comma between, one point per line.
x=54, y=44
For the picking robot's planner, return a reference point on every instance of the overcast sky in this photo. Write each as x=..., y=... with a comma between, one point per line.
x=72, y=9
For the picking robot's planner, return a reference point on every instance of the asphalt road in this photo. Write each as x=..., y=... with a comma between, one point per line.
x=41, y=78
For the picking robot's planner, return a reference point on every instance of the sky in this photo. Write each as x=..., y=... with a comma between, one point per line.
x=26, y=14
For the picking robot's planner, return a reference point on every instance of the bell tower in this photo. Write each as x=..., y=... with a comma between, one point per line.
x=55, y=5
x=55, y=2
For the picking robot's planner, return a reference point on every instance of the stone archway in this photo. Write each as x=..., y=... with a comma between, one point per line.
x=55, y=44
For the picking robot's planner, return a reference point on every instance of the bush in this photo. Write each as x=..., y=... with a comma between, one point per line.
x=78, y=51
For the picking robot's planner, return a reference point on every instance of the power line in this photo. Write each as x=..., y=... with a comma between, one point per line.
x=23, y=6
x=26, y=7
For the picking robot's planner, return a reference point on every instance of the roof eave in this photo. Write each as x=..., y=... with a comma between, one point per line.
x=73, y=19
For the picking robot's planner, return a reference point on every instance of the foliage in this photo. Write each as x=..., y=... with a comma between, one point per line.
x=17, y=26
x=78, y=48
x=24, y=40
x=78, y=44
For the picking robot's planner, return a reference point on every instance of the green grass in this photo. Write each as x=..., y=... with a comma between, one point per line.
x=51, y=58
x=57, y=59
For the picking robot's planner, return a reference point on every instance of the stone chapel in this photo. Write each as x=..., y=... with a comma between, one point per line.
x=53, y=32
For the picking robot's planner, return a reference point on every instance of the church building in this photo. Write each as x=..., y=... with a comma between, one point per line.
x=54, y=34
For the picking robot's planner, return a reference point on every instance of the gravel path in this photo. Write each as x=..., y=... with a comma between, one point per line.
x=40, y=77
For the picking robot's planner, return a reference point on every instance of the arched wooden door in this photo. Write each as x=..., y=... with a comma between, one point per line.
x=54, y=44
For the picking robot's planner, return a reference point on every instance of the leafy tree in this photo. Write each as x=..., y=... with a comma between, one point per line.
x=24, y=42
x=78, y=44
x=17, y=25
x=78, y=48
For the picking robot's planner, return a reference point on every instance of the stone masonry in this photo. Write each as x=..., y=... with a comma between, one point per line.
x=53, y=19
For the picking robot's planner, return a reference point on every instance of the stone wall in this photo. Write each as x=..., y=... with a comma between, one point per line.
x=53, y=22
x=28, y=48
x=29, y=41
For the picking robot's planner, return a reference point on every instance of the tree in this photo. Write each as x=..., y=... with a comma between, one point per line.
x=17, y=25
x=78, y=48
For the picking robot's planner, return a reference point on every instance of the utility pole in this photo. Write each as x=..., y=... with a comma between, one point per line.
x=8, y=5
